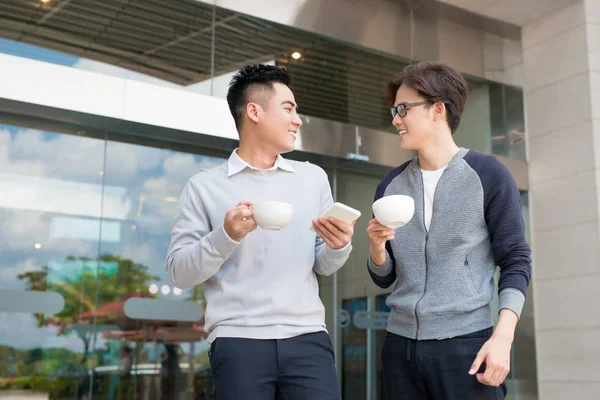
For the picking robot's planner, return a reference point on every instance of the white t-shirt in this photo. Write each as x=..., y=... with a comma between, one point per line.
x=430, y=181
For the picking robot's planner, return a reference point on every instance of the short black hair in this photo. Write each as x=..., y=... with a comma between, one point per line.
x=247, y=81
x=434, y=82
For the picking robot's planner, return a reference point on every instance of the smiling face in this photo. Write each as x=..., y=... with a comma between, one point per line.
x=445, y=91
x=417, y=127
x=277, y=120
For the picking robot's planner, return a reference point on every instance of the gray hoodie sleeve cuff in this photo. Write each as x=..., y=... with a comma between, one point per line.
x=380, y=270
x=512, y=299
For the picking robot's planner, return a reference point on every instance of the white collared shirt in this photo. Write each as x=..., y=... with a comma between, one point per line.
x=236, y=164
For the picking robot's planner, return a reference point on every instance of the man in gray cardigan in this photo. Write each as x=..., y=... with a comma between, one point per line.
x=265, y=318
x=441, y=344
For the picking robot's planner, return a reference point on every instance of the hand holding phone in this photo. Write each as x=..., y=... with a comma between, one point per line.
x=336, y=233
x=342, y=212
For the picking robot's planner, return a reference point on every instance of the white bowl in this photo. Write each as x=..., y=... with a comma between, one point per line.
x=272, y=215
x=394, y=211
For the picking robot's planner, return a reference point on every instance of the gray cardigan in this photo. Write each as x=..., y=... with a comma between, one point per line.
x=444, y=277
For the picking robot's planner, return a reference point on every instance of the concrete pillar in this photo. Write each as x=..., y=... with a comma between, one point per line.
x=562, y=73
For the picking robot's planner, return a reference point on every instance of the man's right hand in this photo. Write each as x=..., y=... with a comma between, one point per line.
x=378, y=235
x=239, y=222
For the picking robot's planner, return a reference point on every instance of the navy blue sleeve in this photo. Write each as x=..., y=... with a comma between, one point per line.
x=504, y=218
x=386, y=281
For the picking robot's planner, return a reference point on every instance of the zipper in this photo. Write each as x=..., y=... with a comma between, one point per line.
x=469, y=275
x=426, y=240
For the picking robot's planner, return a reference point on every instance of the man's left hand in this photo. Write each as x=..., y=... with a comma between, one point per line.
x=496, y=355
x=333, y=231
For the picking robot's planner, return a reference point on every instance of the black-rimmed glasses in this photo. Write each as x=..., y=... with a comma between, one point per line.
x=402, y=108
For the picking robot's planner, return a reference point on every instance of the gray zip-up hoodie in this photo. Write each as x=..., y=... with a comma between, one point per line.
x=445, y=276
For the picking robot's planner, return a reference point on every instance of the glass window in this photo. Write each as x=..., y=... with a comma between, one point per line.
x=141, y=187
x=51, y=208
x=89, y=220
x=354, y=352
x=507, y=110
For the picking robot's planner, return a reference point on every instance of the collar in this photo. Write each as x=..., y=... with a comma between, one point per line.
x=462, y=152
x=235, y=164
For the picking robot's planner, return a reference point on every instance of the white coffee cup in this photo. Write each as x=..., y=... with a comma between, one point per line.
x=394, y=211
x=272, y=215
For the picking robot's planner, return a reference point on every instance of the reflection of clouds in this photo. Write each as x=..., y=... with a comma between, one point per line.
x=51, y=193
x=25, y=167
x=160, y=178
x=20, y=231
x=31, y=152
x=23, y=192
x=155, y=191
x=36, y=153
x=147, y=254
x=8, y=274
x=186, y=165
x=60, y=174
x=64, y=171
x=180, y=165
x=149, y=157
x=20, y=331
x=157, y=223
x=178, y=168
x=124, y=162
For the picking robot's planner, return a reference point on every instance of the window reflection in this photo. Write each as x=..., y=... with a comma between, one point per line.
x=354, y=353
x=45, y=176
x=90, y=221
x=168, y=353
x=507, y=121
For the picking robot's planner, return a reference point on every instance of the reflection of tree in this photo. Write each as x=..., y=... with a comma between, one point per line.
x=79, y=289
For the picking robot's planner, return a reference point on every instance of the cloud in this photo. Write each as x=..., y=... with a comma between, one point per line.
x=25, y=167
x=148, y=254
x=125, y=162
x=187, y=165
x=21, y=230
x=37, y=153
x=8, y=274
x=159, y=192
x=68, y=157
x=25, y=335
x=52, y=177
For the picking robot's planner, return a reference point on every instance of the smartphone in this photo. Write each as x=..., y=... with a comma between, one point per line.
x=341, y=211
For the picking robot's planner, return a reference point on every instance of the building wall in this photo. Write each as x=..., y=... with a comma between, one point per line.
x=562, y=93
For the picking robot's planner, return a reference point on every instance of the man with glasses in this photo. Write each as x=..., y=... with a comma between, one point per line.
x=441, y=343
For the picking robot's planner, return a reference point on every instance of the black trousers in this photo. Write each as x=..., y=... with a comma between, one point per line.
x=298, y=368
x=435, y=369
